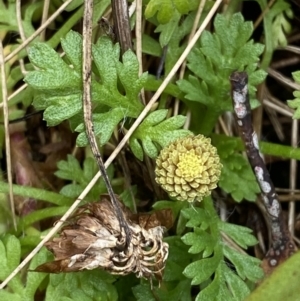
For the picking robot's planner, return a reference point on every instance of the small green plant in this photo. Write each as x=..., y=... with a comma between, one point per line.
x=10, y=253
x=209, y=258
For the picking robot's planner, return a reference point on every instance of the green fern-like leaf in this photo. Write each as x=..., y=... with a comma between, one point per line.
x=9, y=18
x=219, y=54
x=58, y=85
x=167, y=30
x=237, y=177
x=240, y=235
x=94, y=285
x=154, y=129
x=10, y=255
x=80, y=177
x=173, y=36
x=276, y=23
x=281, y=27
x=104, y=125
x=216, y=279
x=167, y=8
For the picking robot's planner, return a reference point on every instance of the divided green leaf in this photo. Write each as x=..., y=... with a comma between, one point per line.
x=10, y=255
x=247, y=267
x=167, y=8
x=80, y=177
x=104, y=125
x=218, y=55
x=217, y=281
x=94, y=285
x=154, y=131
x=278, y=14
x=9, y=19
x=237, y=177
x=239, y=234
x=58, y=85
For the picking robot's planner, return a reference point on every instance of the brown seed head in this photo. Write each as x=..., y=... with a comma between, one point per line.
x=94, y=240
x=188, y=168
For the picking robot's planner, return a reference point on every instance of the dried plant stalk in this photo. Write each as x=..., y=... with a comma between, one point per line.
x=282, y=244
x=94, y=240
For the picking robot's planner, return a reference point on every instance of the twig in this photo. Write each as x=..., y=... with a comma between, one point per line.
x=282, y=245
x=120, y=146
x=87, y=111
x=121, y=23
x=7, y=137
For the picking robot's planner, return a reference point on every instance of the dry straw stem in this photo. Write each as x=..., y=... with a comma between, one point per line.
x=121, y=144
x=44, y=17
x=21, y=31
x=7, y=140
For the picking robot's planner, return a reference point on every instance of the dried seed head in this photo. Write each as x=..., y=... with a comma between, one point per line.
x=94, y=241
x=189, y=168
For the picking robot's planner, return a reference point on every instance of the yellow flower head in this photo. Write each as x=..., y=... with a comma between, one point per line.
x=188, y=168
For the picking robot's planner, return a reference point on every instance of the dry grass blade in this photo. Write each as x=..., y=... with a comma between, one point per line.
x=7, y=137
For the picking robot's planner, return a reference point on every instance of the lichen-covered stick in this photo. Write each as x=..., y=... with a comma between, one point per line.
x=282, y=245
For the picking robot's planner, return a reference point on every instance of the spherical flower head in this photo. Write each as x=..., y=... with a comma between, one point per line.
x=189, y=168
